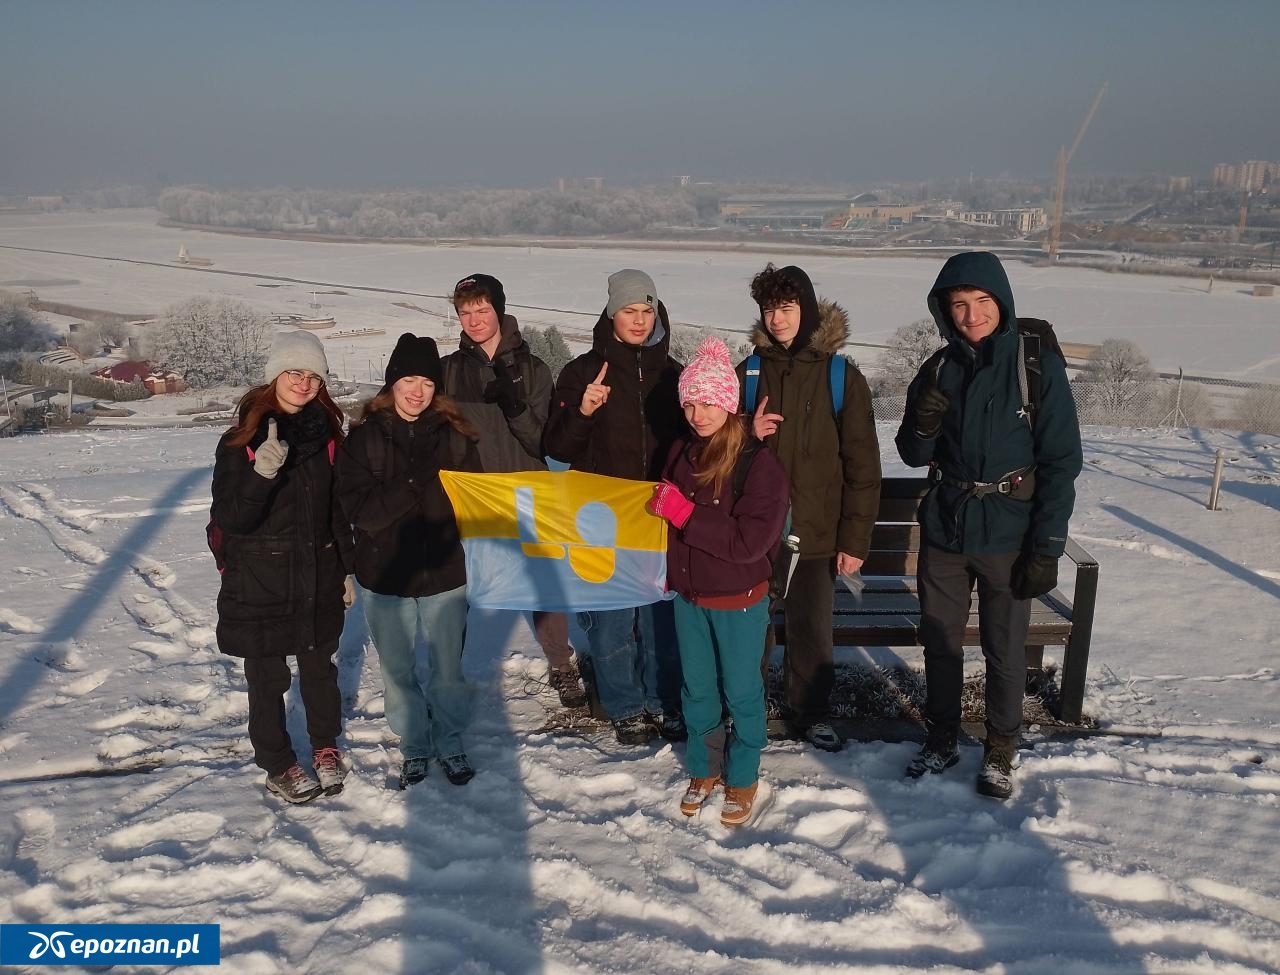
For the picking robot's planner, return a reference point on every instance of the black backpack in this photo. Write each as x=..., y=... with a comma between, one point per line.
x=784, y=553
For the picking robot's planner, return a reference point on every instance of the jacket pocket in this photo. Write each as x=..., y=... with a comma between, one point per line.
x=264, y=578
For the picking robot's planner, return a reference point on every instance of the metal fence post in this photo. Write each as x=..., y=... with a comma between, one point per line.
x=1217, y=482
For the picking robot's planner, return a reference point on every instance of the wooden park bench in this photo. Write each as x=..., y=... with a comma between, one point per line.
x=887, y=614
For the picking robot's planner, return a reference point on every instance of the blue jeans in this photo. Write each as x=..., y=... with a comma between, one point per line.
x=429, y=722
x=718, y=657
x=636, y=662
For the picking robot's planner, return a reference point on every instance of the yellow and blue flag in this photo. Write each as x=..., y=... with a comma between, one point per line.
x=560, y=541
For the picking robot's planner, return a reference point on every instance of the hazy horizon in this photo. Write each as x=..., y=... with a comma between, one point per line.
x=398, y=94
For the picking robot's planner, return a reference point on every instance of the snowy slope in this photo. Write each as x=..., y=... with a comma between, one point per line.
x=1147, y=847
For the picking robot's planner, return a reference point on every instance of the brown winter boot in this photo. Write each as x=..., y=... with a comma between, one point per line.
x=697, y=794
x=738, y=802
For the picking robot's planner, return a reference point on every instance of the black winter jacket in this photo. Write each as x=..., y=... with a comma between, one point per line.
x=506, y=443
x=631, y=434
x=388, y=474
x=984, y=434
x=286, y=545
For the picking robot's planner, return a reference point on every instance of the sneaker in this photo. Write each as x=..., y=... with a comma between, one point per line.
x=330, y=770
x=938, y=754
x=738, y=804
x=568, y=685
x=822, y=735
x=294, y=784
x=995, y=778
x=697, y=794
x=457, y=769
x=635, y=730
x=670, y=726
x=413, y=770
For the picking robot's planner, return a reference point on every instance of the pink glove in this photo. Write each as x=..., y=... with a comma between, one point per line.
x=669, y=502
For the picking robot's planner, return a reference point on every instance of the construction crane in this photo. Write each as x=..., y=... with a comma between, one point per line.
x=1060, y=191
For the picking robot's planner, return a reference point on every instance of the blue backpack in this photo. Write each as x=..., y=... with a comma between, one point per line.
x=835, y=378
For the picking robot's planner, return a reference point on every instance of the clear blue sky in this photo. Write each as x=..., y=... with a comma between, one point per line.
x=515, y=94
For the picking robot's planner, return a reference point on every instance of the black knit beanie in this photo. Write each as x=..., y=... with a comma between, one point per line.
x=414, y=355
x=489, y=286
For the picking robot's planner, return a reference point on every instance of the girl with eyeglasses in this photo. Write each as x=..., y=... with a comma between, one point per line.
x=287, y=550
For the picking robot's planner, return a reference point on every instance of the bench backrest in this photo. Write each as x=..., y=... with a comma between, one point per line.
x=895, y=540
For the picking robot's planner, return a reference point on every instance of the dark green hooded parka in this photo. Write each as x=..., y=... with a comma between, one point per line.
x=986, y=436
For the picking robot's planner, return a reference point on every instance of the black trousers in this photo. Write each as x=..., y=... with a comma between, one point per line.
x=945, y=580
x=269, y=679
x=807, y=668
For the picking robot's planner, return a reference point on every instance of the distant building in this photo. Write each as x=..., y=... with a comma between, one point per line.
x=681, y=180
x=1024, y=220
x=1249, y=177
x=1179, y=184
x=781, y=211
x=881, y=215
x=1224, y=175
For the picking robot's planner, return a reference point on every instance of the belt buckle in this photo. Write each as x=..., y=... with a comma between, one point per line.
x=1005, y=487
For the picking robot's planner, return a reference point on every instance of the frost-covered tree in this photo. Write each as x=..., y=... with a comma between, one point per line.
x=549, y=346
x=210, y=341
x=908, y=348
x=1115, y=386
x=23, y=332
x=685, y=340
x=1259, y=410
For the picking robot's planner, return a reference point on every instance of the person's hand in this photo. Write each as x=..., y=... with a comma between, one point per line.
x=1034, y=575
x=349, y=591
x=847, y=564
x=505, y=391
x=596, y=394
x=931, y=406
x=270, y=457
x=669, y=502
x=765, y=424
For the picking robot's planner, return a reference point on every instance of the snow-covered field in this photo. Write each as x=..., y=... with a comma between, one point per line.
x=1148, y=847
x=1175, y=320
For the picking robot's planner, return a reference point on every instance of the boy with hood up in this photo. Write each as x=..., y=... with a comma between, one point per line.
x=616, y=411
x=1003, y=491
x=833, y=463
x=504, y=390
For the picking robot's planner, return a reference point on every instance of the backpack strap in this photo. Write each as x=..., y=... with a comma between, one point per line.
x=1034, y=335
x=743, y=466
x=751, y=383
x=835, y=377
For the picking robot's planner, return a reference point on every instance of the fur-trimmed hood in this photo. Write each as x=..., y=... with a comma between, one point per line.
x=828, y=338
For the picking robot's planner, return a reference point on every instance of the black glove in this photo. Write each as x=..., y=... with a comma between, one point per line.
x=931, y=406
x=506, y=391
x=1034, y=575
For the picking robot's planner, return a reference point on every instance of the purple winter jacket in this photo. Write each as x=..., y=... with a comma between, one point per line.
x=725, y=546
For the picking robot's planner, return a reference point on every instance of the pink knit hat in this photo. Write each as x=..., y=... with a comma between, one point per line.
x=709, y=377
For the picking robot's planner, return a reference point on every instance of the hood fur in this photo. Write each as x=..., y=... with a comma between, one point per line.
x=828, y=338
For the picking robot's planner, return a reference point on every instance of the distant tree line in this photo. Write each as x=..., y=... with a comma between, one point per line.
x=457, y=213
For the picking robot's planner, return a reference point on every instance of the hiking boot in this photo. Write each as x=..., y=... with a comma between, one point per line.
x=697, y=794
x=995, y=778
x=330, y=770
x=738, y=803
x=413, y=770
x=568, y=685
x=294, y=784
x=635, y=730
x=670, y=726
x=457, y=769
x=822, y=735
x=938, y=754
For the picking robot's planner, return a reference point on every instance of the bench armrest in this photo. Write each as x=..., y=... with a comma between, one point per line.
x=1076, y=659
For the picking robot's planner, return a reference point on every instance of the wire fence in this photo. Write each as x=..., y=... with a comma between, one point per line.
x=1166, y=401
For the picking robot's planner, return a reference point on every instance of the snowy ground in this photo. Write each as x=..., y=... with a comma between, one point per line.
x=1150, y=847
x=121, y=261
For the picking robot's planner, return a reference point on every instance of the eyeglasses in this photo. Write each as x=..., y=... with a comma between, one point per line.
x=307, y=379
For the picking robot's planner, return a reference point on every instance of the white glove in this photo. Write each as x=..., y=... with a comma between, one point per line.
x=349, y=591
x=270, y=457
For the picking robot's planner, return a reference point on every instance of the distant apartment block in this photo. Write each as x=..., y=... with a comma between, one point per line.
x=1250, y=176
x=881, y=215
x=1024, y=220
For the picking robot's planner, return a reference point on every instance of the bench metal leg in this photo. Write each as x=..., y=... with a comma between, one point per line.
x=1076, y=660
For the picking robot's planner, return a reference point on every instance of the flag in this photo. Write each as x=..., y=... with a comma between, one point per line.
x=558, y=541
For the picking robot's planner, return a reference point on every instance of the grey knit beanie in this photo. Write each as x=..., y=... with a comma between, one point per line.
x=295, y=350
x=630, y=287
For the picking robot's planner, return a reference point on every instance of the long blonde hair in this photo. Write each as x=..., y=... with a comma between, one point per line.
x=720, y=454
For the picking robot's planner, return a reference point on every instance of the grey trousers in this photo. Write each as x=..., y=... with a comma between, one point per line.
x=945, y=580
